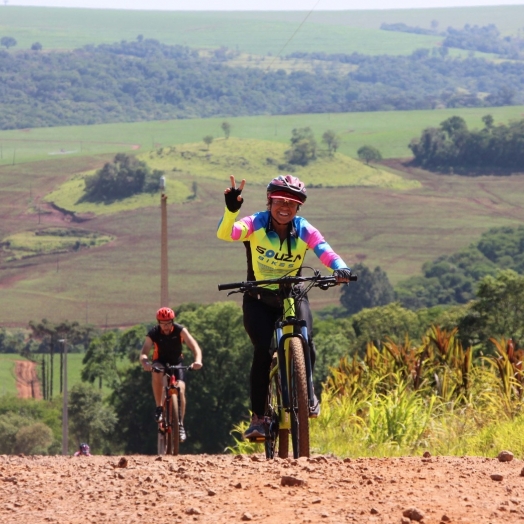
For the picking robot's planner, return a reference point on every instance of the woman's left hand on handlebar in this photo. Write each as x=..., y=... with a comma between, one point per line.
x=342, y=275
x=196, y=365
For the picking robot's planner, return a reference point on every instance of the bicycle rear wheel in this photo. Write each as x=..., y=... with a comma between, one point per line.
x=299, y=400
x=273, y=408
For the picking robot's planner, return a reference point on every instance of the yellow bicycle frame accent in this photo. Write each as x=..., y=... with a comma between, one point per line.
x=284, y=418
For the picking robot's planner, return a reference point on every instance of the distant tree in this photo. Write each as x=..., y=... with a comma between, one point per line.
x=498, y=310
x=434, y=24
x=34, y=439
x=385, y=322
x=226, y=127
x=208, y=139
x=130, y=342
x=8, y=41
x=37, y=46
x=100, y=360
x=122, y=178
x=369, y=154
x=303, y=147
x=372, y=289
x=91, y=421
x=331, y=140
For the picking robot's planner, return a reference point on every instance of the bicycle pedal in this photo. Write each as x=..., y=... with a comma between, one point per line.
x=257, y=439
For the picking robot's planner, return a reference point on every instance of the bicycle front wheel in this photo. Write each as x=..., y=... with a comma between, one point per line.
x=173, y=432
x=299, y=400
x=274, y=409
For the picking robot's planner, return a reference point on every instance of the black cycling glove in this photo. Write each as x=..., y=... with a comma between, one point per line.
x=232, y=203
x=342, y=273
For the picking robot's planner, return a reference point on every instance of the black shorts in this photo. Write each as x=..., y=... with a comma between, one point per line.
x=180, y=374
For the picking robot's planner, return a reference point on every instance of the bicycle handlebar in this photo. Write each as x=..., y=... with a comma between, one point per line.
x=317, y=280
x=168, y=367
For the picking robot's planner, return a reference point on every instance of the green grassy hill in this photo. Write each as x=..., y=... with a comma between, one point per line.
x=259, y=33
x=256, y=160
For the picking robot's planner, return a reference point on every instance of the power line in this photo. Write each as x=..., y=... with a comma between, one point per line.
x=293, y=35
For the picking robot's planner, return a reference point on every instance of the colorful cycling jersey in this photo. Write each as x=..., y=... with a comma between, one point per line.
x=168, y=348
x=268, y=256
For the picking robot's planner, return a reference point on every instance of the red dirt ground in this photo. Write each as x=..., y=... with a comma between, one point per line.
x=27, y=383
x=223, y=488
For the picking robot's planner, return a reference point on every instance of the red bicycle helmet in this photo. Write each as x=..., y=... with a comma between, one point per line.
x=287, y=187
x=164, y=314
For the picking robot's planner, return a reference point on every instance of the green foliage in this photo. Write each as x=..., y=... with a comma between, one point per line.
x=90, y=420
x=34, y=439
x=8, y=41
x=331, y=140
x=385, y=322
x=100, y=359
x=486, y=39
x=452, y=145
x=452, y=279
x=372, y=289
x=208, y=140
x=303, y=147
x=122, y=178
x=498, y=310
x=218, y=393
x=226, y=128
x=28, y=426
x=130, y=342
x=369, y=154
x=134, y=404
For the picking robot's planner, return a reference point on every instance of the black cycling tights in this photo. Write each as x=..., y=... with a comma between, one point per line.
x=259, y=322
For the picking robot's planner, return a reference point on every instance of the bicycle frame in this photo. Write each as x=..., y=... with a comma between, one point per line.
x=168, y=439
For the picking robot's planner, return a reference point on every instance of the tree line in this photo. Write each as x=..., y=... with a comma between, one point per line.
x=452, y=146
x=485, y=39
x=146, y=80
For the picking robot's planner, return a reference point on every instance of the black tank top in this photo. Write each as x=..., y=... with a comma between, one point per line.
x=168, y=348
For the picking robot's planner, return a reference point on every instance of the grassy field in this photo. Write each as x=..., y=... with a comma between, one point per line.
x=252, y=32
x=118, y=283
x=74, y=370
x=7, y=373
x=389, y=131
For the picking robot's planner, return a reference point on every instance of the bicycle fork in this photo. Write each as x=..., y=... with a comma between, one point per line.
x=285, y=330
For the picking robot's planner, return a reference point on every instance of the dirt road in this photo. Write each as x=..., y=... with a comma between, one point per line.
x=223, y=488
x=27, y=383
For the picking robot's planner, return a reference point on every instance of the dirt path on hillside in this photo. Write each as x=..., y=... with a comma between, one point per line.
x=27, y=383
x=223, y=489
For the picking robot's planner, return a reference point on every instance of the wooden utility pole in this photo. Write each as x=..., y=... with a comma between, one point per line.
x=164, y=287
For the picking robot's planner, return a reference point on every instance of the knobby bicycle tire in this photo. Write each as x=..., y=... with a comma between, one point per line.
x=172, y=428
x=175, y=428
x=299, y=400
x=274, y=402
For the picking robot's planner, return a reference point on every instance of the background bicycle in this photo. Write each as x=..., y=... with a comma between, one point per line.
x=168, y=442
x=290, y=396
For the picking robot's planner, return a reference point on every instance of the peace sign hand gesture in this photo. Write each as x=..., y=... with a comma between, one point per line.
x=233, y=195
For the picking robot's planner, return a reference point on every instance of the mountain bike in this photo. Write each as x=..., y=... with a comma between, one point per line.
x=290, y=394
x=168, y=441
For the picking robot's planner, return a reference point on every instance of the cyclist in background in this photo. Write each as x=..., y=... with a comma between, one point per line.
x=167, y=338
x=83, y=450
x=276, y=241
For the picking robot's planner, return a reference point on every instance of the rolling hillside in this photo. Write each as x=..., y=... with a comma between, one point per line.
x=118, y=283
